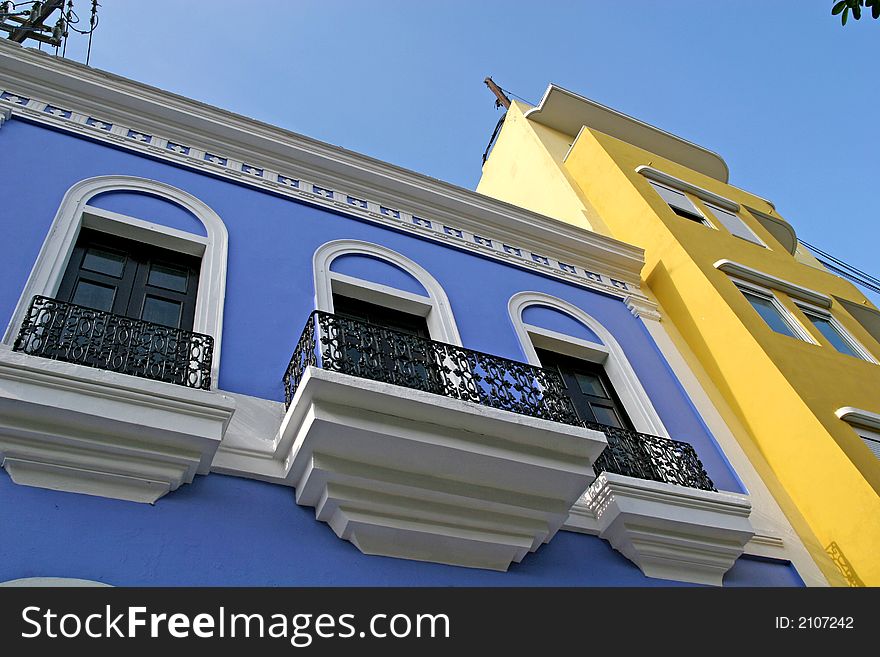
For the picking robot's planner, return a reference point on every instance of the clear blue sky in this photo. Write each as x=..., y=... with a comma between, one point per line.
x=777, y=87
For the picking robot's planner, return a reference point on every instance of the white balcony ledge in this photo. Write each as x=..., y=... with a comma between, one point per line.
x=410, y=474
x=668, y=531
x=84, y=430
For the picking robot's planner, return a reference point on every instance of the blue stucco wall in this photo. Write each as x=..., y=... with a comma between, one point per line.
x=224, y=530
x=236, y=532
x=377, y=271
x=149, y=208
x=550, y=318
x=270, y=285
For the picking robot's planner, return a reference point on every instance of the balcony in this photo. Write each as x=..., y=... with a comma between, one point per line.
x=86, y=405
x=76, y=334
x=477, y=464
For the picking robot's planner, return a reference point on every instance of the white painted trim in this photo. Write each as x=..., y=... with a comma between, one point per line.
x=422, y=476
x=684, y=186
x=846, y=336
x=859, y=417
x=621, y=374
x=85, y=430
x=107, y=108
x=751, y=275
x=74, y=213
x=669, y=531
x=774, y=535
x=435, y=307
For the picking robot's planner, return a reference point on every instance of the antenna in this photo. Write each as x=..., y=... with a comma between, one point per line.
x=501, y=100
x=28, y=20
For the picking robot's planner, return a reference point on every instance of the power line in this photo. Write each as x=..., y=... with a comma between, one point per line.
x=844, y=269
x=510, y=93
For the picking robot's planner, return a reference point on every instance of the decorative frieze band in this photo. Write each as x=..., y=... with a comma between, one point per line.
x=295, y=187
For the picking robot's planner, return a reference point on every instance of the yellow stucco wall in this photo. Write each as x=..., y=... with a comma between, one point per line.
x=783, y=390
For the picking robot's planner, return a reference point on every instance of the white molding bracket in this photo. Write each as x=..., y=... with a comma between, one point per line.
x=669, y=531
x=751, y=275
x=643, y=307
x=420, y=476
x=83, y=430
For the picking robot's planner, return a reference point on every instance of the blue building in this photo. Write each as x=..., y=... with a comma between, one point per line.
x=235, y=355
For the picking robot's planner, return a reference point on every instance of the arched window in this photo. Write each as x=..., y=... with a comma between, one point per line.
x=171, y=273
x=604, y=385
x=367, y=278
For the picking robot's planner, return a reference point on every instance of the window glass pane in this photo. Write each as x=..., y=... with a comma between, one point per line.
x=161, y=311
x=590, y=384
x=734, y=224
x=167, y=276
x=94, y=295
x=104, y=261
x=831, y=334
x=768, y=310
x=680, y=203
x=606, y=416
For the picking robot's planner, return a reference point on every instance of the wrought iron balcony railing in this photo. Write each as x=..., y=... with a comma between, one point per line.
x=370, y=351
x=374, y=352
x=76, y=334
x=644, y=456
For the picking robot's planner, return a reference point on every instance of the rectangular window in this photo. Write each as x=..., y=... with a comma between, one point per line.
x=771, y=312
x=833, y=332
x=735, y=224
x=679, y=203
x=129, y=278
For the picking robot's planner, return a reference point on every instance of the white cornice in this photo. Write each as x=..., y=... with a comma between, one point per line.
x=768, y=280
x=135, y=116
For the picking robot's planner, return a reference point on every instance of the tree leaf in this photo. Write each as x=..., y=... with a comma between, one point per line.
x=875, y=11
x=857, y=12
x=844, y=16
x=838, y=7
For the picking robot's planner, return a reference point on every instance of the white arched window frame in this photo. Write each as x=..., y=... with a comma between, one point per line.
x=435, y=307
x=610, y=354
x=75, y=213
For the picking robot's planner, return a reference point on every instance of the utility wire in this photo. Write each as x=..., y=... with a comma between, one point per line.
x=838, y=261
x=510, y=93
x=844, y=269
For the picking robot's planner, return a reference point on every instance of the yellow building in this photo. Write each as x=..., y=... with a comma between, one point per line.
x=786, y=351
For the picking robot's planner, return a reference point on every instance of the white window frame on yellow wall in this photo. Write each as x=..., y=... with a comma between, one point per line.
x=800, y=332
x=693, y=209
x=859, y=350
x=734, y=224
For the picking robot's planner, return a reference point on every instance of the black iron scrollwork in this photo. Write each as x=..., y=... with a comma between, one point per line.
x=370, y=351
x=374, y=352
x=650, y=457
x=94, y=338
